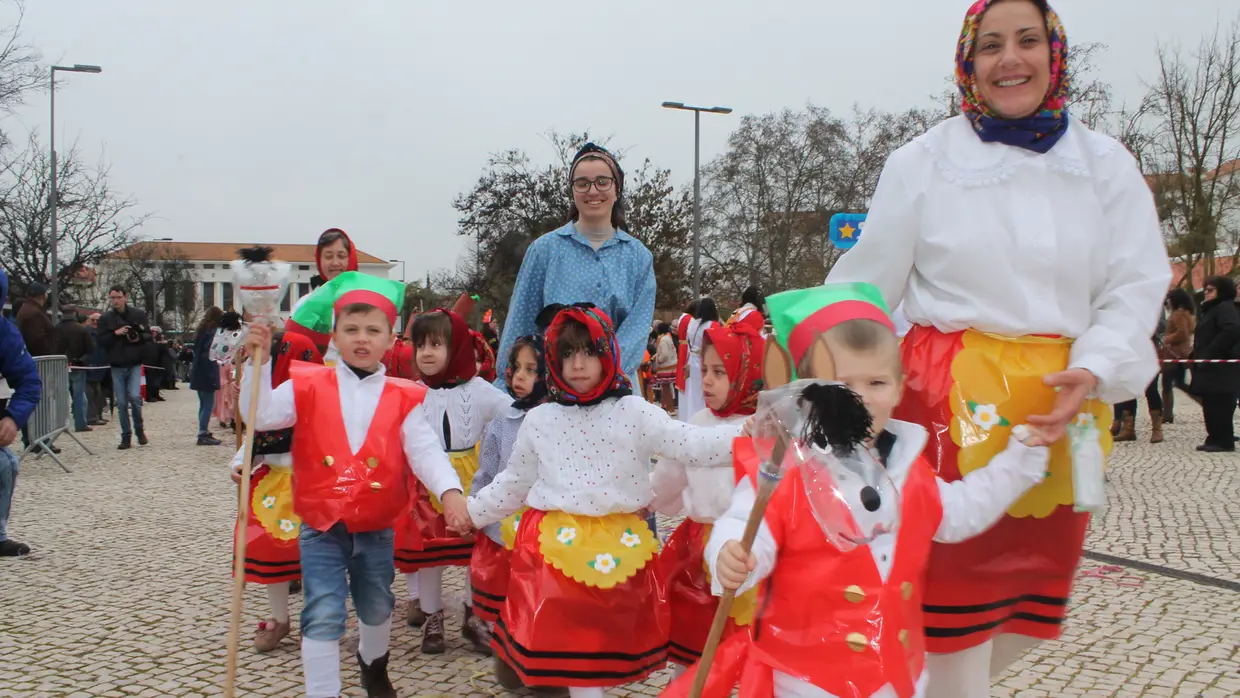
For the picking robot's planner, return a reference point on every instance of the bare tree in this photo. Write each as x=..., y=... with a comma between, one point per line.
x=1193, y=148
x=94, y=221
x=21, y=65
x=161, y=279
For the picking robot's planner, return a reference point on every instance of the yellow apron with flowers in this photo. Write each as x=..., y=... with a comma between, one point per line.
x=597, y=551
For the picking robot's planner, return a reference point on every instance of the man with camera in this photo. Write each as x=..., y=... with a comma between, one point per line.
x=123, y=332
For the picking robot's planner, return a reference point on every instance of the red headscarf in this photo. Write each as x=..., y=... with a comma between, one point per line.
x=740, y=347
x=318, y=252
x=483, y=354
x=461, y=367
x=603, y=340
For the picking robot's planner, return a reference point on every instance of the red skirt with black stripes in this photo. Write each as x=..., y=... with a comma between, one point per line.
x=431, y=544
x=271, y=552
x=1017, y=576
x=554, y=631
x=488, y=578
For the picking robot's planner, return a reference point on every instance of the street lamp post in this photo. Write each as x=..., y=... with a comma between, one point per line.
x=697, y=185
x=402, y=269
x=54, y=198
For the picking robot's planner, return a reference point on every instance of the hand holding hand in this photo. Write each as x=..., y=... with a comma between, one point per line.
x=457, y=513
x=734, y=565
x=8, y=431
x=1074, y=386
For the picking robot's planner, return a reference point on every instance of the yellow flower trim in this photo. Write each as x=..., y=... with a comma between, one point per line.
x=465, y=463
x=600, y=551
x=508, y=528
x=997, y=383
x=272, y=504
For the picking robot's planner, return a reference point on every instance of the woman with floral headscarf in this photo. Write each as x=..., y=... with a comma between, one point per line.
x=1027, y=253
x=583, y=607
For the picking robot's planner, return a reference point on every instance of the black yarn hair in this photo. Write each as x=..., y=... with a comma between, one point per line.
x=837, y=417
x=230, y=321
x=255, y=255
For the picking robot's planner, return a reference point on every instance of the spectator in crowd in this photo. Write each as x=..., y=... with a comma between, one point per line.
x=1217, y=337
x=152, y=365
x=34, y=323
x=97, y=379
x=74, y=341
x=204, y=374
x=124, y=330
x=17, y=369
x=1177, y=344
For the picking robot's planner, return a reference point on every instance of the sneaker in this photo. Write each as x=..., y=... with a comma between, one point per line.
x=206, y=440
x=142, y=440
x=375, y=679
x=84, y=429
x=269, y=634
x=11, y=548
x=414, y=615
x=432, y=634
x=476, y=632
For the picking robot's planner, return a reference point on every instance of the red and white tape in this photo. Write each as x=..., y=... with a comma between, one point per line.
x=1201, y=361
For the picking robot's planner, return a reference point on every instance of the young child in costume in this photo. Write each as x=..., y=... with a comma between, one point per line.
x=458, y=406
x=731, y=380
x=488, y=570
x=845, y=623
x=357, y=436
x=583, y=609
x=271, y=555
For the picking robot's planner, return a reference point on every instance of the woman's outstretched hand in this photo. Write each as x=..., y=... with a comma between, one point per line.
x=1074, y=386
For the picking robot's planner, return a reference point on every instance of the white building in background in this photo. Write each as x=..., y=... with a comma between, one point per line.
x=206, y=275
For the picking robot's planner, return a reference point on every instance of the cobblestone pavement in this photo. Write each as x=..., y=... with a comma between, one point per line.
x=128, y=592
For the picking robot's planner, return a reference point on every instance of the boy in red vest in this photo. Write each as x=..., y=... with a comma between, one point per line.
x=845, y=623
x=357, y=436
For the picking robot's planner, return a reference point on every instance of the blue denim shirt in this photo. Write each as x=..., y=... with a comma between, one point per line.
x=562, y=267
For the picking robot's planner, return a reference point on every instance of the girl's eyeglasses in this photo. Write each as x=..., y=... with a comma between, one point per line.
x=582, y=185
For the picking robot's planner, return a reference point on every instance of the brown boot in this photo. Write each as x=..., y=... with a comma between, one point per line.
x=375, y=679
x=414, y=615
x=475, y=630
x=432, y=634
x=269, y=634
x=507, y=676
x=1156, y=422
x=1127, y=428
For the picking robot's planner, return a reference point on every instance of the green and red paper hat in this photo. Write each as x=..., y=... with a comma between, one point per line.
x=316, y=315
x=799, y=316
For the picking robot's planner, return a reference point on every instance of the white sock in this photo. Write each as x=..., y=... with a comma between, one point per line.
x=430, y=585
x=320, y=662
x=591, y=692
x=678, y=669
x=963, y=674
x=374, y=640
x=411, y=585
x=469, y=591
x=277, y=598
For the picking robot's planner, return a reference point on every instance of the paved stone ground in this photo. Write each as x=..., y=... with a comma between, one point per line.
x=128, y=593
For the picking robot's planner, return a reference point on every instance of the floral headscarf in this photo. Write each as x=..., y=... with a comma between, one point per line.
x=603, y=339
x=1039, y=132
x=740, y=348
x=538, y=394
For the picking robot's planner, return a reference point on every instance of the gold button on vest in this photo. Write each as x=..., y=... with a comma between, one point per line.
x=857, y=642
x=328, y=461
x=903, y=638
x=372, y=462
x=376, y=486
x=906, y=590
x=854, y=594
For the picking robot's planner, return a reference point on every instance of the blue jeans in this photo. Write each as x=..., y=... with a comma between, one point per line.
x=8, y=481
x=206, y=403
x=335, y=563
x=127, y=394
x=77, y=392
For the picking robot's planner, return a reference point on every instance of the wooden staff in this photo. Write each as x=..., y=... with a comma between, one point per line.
x=243, y=517
x=768, y=479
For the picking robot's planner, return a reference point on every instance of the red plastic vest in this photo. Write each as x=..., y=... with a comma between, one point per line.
x=367, y=491
x=827, y=616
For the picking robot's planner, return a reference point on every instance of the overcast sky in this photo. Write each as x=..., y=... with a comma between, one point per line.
x=271, y=120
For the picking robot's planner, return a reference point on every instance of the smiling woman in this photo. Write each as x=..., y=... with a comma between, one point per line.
x=1026, y=251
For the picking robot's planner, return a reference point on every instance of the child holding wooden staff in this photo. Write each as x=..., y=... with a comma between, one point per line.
x=359, y=439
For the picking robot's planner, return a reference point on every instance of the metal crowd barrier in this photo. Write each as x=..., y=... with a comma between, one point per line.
x=51, y=416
